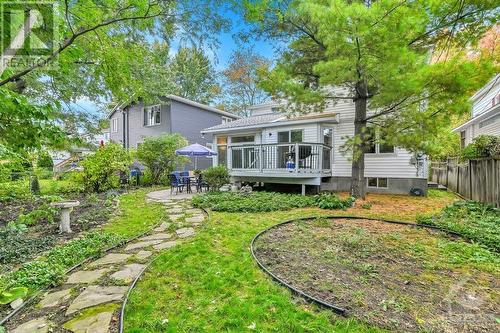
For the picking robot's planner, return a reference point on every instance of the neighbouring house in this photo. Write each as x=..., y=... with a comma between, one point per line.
x=270, y=147
x=135, y=122
x=485, y=114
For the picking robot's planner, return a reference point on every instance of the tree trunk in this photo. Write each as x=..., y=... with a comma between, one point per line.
x=358, y=185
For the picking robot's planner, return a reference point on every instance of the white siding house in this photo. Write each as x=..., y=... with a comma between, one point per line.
x=263, y=148
x=485, y=113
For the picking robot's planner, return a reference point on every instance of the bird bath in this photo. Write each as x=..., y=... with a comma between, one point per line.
x=66, y=208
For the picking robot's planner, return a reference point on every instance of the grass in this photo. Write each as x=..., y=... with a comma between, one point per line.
x=134, y=218
x=211, y=283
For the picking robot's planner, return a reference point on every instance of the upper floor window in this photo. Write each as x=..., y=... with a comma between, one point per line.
x=462, y=139
x=226, y=119
x=294, y=136
x=242, y=139
x=275, y=109
x=114, y=125
x=376, y=143
x=152, y=115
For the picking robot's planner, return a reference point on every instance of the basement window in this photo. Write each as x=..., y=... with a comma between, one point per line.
x=377, y=182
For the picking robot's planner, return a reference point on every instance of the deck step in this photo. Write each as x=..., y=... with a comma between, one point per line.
x=437, y=186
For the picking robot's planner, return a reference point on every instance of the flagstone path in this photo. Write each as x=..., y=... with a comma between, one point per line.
x=90, y=299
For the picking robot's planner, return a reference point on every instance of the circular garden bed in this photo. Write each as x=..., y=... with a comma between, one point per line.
x=389, y=275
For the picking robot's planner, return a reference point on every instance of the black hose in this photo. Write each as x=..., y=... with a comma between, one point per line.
x=312, y=299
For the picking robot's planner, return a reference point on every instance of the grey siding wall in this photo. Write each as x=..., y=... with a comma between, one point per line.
x=116, y=136
x=189, y=121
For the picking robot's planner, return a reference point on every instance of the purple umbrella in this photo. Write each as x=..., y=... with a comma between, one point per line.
x=195, y=150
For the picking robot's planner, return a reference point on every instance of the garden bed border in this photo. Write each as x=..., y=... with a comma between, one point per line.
x=312, y=299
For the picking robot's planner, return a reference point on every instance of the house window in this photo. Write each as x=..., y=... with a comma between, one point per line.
x=222, y=150
x=226, y=120
x=376, y=144
x=152, y=115
x=490, y=121
x=462, y=139
x=114, y=125
x=275, y=109
x=242, y=139
x=328, y=136
x=377, y=182
x=294, y=136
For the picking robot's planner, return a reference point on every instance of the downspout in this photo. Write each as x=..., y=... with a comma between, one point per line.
x=123, y=134
x=128, y=129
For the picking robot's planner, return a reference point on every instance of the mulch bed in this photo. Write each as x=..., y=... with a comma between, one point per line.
x=387, y=275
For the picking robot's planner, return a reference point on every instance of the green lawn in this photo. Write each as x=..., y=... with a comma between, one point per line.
x=212, y=284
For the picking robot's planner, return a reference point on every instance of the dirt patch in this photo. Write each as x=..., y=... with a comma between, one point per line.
x=393, y=276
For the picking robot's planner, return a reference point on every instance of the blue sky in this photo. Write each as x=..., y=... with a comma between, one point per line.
x=228, y=43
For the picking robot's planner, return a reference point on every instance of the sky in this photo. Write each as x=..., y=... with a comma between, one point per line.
x=220, y=57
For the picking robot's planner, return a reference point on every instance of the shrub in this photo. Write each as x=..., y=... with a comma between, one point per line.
x=45, y=214
x=216, y=177
x=483, y=146
x=101, y=169
x=474, y=220
x=158, y=154
x=266, y=201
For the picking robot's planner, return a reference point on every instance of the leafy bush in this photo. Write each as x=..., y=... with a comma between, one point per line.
x=474, y=220
x=331, y=201
x=101, y=169
x=50, y=269
x=158, y=154
x=266, y=201
x=216, y=177
x=43, y=214
x=483, y=146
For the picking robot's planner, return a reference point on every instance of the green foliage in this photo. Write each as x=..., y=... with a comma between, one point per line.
x=11, y=294
x=19, y=190
x=474, y=220
x=49, y=269
x=482, y=146
x=331, y=201
x=158, y=154
x=266, y=201
x=216, y=176
x=101, y=169
x=194, y=76
x=43, y=214
x=16, y=246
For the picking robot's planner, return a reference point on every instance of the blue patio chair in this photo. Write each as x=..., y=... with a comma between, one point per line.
x=175, y=182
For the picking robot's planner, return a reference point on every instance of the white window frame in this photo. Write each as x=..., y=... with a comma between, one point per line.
x=226, y=119
x=149, y=114
x=377, y=147
x=114, y=125
x=377, y=178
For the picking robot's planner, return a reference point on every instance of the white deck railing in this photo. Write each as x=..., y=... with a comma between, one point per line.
x=298, y=158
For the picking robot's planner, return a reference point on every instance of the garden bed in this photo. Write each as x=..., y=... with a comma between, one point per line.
x=387, y=275
x=34, y=225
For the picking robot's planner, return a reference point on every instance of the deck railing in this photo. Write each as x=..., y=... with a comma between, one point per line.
x=284, y=157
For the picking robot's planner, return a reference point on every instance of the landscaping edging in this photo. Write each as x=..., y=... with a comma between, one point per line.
x=136, y=280
x=334, y=308
x=71, y=269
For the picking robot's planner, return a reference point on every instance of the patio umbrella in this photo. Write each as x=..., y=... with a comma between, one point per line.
x=195, y=150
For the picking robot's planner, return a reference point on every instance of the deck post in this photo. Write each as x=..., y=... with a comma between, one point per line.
x=297, y=157
x=303, y=189
x=261, y=154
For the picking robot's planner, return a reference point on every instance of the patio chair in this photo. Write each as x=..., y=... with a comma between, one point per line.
x=175, y=182
x=200, y=184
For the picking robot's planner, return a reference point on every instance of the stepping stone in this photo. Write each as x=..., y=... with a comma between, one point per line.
x=195, y=219
x=166, y=245
x=185, y=232
x=175, y=217
x=55, y=298
x=111, y=258
x=98, y=323
x=39, y=325
x=143, y=254
x=140, y=245
x=175, y=210
x=162, y=227
x=156, y=237
x=95, y=295
x=86, y=276
x=129, y=272
x=194, y=211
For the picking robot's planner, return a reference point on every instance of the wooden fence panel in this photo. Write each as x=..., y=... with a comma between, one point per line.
x=476, y=180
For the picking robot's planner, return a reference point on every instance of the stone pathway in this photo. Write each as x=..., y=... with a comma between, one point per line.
x=90, y=299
